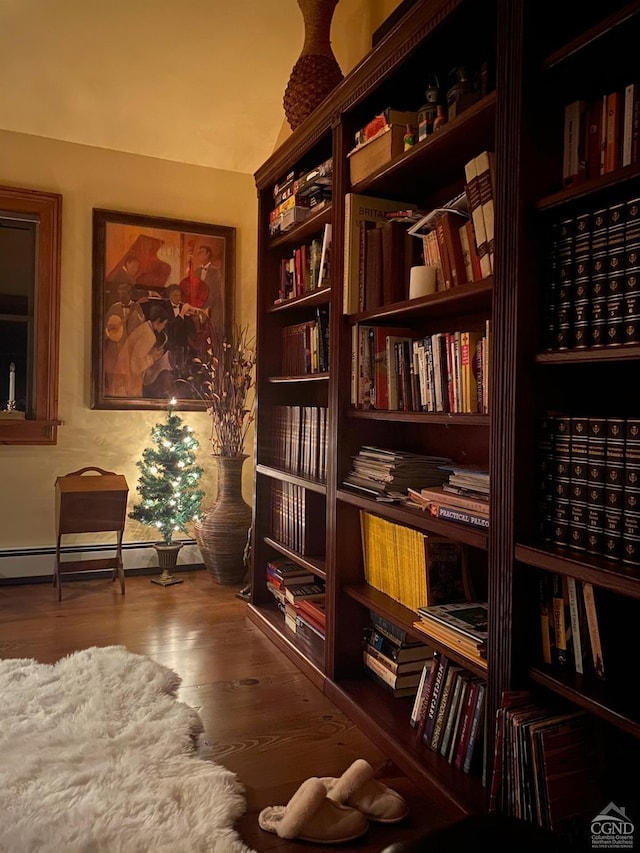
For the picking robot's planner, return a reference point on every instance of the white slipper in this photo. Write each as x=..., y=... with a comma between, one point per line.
x=311, y=816
x=357, y=788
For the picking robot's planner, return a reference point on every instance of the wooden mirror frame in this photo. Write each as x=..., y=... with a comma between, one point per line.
x=41, y=427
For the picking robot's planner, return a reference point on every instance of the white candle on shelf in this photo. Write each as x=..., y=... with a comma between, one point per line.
x=12, y=383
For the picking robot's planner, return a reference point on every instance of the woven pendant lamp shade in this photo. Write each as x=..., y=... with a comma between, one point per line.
x=316, y=72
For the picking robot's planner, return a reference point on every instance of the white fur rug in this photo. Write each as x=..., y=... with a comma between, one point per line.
x=98, y=756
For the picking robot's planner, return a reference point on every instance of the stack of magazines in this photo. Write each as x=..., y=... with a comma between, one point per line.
x=460, y=625
x=388, y=474
x=463, y=497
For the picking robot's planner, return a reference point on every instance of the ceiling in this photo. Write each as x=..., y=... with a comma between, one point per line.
x=197, y=81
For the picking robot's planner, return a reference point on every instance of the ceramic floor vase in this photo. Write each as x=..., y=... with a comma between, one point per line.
x=167, y=560
x=222, y=534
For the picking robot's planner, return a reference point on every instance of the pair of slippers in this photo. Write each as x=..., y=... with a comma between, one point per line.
x=333, y=811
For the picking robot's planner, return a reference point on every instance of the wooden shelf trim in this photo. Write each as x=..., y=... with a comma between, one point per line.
x=613, y=576
x=417, y=518
x=316, y=565
x=590, y=695
x=288, y=477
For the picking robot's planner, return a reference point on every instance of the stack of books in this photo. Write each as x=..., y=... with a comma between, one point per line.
x=463, y=497
x=300, y=596
x=394, y=659
x=461, y=625
x=383, y=473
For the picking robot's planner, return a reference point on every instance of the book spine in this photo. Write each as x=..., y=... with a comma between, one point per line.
x=486, y=180
x=476, y=723
x=594, y=630
x=422, y=687
x=559, y=624
x=443, y=708
x=575, y=624
x=459, y=516
x=472, y=190
x=434, y=699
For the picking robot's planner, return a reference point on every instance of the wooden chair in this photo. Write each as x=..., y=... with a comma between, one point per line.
x=90, y=504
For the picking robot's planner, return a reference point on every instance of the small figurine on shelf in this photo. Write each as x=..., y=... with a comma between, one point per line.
x=409, y=139
x=427, y=113
x=463, y=93
x=440, y=118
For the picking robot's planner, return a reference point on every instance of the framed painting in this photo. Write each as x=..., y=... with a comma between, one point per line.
x=161, y=289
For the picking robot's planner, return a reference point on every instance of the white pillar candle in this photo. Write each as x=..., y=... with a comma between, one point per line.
x=12, y=383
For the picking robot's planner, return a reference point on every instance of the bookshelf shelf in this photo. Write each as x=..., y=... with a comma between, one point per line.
x=591, y=187
x=605, y=28
x=299, y=233
x=441, y=152
x=602, y=355
x=271, y=622
x=307, y=377
x=286, y=476
x=387, y=721
x=592, y=695
x=314, y=564
x=321, y=296
x=459, y=419
x=603, y=573
x=418, y=519
x=472, y=297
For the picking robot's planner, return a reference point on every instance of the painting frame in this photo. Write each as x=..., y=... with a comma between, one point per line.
x=144, y=332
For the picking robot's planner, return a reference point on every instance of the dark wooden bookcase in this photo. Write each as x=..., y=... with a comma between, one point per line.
x=538, y=63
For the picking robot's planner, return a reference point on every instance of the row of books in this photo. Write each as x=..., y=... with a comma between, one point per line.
x=394, y=369
x=462, y=625
x=545, y=767
x=307, y=269
x=297, y=518
x=412, y=567
x=387, y=252
x=602, y=135
x=295, y=196
x=379, y=471
x=569, y=625
x=448, y=713
x=589, y=486
x=593, y=278
x=305, y=346
x=299, y=440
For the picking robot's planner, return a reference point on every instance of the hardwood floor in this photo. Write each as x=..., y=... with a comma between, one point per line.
x=264, y=719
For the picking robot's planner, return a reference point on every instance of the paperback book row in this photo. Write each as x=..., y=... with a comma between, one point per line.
x=569, y=625
x=301, y=599
x=448, y=713
x=545, y=767
x=462, y=498
x=460, y=625
x=593, y=281
x=308, y=268
x=386, y=474
x=601, y=136
x=395, y=369
x=589, y=486
x=299, y=440
x=412, y=567
x=298, y=195
x=458, y=240
x=393, y=659
x=305, y=346
x=298, y=518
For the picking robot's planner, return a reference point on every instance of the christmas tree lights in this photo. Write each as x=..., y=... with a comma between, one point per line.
x=169, y=477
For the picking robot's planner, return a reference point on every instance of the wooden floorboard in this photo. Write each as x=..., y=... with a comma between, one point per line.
x=263, y=719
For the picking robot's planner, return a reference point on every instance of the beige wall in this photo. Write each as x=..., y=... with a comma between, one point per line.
x=93, y=177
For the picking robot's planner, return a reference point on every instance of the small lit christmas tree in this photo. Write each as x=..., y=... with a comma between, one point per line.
x=168, y=485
